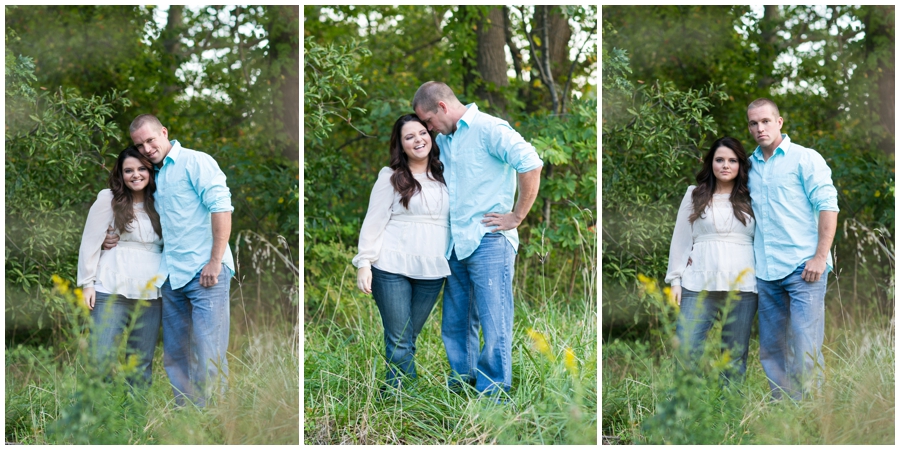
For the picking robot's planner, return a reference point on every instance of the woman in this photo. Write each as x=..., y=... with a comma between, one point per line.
x=711, y=257
x=118, y=284
x=402, y=242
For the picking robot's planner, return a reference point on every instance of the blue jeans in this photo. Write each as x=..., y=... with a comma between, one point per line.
x=479, y=294
x=112, y=315
x=791, y=331
x=195, y=337
x=698, y=312
x=405, y=304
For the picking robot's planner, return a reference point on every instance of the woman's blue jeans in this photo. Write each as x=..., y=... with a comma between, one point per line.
x=113, y=317
x=699, y=310
x=405, y=304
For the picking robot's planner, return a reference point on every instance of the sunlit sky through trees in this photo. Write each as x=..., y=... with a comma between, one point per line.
x=580, y=36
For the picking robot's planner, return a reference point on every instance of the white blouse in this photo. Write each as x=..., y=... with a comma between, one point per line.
x=718, y=246
x=128, y=269
x=409, y=242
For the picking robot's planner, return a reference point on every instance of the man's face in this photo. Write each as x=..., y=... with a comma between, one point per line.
x=765, y=126
x=438, y=120
x=152, y=142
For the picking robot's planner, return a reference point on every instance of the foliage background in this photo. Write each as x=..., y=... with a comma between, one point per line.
x=223, y=80
x=675, y=78
x=533, y=66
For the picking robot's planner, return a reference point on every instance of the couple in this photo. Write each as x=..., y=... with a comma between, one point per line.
x=444, y=210
x=774, y=215
x=164, y=225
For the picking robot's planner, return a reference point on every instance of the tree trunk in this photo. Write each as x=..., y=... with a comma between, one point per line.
x=284, y=59
x=491, y=59
x=769, y=47
x=469, y=66
x=171, y=42
x=879, y=26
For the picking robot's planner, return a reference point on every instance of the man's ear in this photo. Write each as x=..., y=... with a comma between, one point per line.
x=165, y=132
x=443, y=107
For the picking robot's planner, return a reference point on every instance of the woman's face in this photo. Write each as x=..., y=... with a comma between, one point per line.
x=416, y=141
x=135, y=174
x=725, y=164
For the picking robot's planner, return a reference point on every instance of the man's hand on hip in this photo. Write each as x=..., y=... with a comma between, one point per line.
x=814, y=270
x=209, y=276
x=502, y=222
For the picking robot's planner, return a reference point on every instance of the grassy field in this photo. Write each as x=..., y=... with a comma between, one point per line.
x=553, y=399
x=645, y=402
x=54, y=397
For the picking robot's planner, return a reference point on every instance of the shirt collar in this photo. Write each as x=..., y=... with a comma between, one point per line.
x=471, y=110
x=173, y=152
x=783, y=146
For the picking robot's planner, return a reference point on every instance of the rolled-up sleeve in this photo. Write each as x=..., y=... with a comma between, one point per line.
x=209, y=182
x=507, y=144
x=818, y=184
x=682, y=241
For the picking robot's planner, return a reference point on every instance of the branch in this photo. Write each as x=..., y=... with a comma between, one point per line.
x=534, y=57
x=357, y=138
x=513, y=49
x=562, y=107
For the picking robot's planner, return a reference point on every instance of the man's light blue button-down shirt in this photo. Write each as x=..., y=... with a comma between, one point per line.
x=189, y=187
x=481, y=161
x=788, y=191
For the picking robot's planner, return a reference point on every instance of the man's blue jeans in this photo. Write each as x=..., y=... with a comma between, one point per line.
x=791, y=331
x=479, y=293
x=699, y=311
x=111, y=316
x=405, y=304
x=195, y=337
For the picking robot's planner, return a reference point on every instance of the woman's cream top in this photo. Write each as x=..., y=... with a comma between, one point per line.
x=131, y=267
x=409, y=242
x=718, y=246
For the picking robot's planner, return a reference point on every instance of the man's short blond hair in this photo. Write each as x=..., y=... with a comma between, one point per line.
x=763, y=102
x=142, y=120
x=430, y=93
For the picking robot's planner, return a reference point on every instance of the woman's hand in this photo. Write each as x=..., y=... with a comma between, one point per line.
x=111, y=238
x=676, y=294
x=89, y=295
x=364, y=279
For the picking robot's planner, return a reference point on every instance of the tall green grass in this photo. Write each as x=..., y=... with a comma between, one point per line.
x=343, y=366
x=55, y=395
x=553, y=399
x=645, y=400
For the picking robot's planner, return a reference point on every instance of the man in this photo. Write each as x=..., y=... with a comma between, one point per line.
x=483, y=158
x=795, y=204
x=194, y=206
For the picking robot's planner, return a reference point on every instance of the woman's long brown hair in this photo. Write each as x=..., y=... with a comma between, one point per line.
x=123, y=202
x=706, y=182
x=402, y=179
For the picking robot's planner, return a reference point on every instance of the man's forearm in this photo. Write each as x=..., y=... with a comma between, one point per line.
x=221, y=231
x=529, y=183
x=827, y=229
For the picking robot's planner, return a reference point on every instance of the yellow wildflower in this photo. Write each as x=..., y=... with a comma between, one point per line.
x=540, y=343
x=570, y=362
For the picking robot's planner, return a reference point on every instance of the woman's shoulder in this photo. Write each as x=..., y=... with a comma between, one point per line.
x=105, y=194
